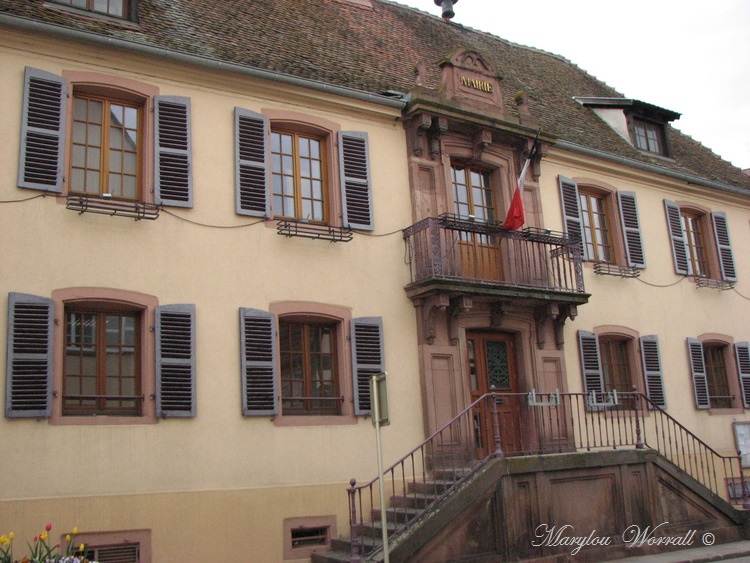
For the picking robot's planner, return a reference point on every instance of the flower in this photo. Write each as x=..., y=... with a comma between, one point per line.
x=43, y=536
x=48, y=527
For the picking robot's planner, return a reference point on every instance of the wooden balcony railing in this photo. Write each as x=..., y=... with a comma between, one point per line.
x=459, y=249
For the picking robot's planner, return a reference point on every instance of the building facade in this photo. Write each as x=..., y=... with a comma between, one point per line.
x=255, y=212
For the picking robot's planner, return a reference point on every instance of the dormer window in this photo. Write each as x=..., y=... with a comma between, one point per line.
x=121, y=9
x=640, y=124
x=649, y=136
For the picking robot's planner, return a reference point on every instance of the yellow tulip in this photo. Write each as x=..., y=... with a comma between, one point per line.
x=67, y=538
x=43, y=536
x=75, y=530
x=11, y=536
x=3, y=540
x=82, y=547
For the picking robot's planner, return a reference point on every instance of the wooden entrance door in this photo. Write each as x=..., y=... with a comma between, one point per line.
x=492, y=366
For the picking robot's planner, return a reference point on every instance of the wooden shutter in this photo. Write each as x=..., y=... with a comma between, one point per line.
x=724, y=246
x=652, y=370
x=698, y=372
x=28, y=379
x=356, y=190
x=251, y=164
x=367, y=359
x=173, y=184
x=42, y=131
x=631, y=229
x=175, y=360
x=742, y=354
x=591, y=363
x=259, y=363
x=677, y=237
x=571, y=210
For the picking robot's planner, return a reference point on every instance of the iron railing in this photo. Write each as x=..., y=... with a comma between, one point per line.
x=504, y=424
x=451, y=247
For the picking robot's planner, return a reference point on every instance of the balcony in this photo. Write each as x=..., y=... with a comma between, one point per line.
x=459, y=255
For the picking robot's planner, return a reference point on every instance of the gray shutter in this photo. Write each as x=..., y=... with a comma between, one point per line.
x=742, y=354
x=591, y=364
x=677, y=237
x=367, y=359
x=652, y=370
x=698, y=372
x=43, y=121
x=356, y=187
x=631, y=229
x=724, y=246
x=259, y=363
x=175, y=361
x=251, y=163
x=173, y=183
x=571, y=210
x=28, y=378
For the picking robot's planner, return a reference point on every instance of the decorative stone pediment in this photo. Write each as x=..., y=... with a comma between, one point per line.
x=470, y=78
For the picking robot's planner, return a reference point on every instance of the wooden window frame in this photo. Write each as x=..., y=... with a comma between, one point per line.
x=326, y=192
x=328, y=314
x=591, y=233
x=100, y=311
x=490, y=211
x=105, y=163
x=330, y=405
x=106, y=299
x=699, y=252
x=129, y=9
x=120, y=90
x=646, y=143
x=727, y=345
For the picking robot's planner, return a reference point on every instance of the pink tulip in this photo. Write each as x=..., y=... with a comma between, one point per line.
x=48, y=527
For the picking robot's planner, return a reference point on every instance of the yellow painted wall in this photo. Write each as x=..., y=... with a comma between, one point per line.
x=219, y=482
x=660, y=301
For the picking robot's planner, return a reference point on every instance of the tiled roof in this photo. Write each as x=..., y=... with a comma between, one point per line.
x=374, y=50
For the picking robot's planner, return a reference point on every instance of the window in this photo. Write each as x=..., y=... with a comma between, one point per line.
x=101, y=373
x=608, y=363
x=721, y=379
x=649, y=136
x=587, y=218
x=102, y=358
x=696, y=246
x=306, y=357
x=105, y=148
x=309, y=374
x=116, y=8
x=131, y=546
x=596, y=236
x=111, y=118
x=694, y=251
x=615, y=365
x=298, y=165
x=472, y=193
x=286, y=170
x=305, y=535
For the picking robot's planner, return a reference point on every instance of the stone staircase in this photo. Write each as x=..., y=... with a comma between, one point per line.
x=419, y=498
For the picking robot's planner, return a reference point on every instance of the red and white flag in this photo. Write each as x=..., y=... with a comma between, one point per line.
x=515, y=218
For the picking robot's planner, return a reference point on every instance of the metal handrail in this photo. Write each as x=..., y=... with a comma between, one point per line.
x=642, y=424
